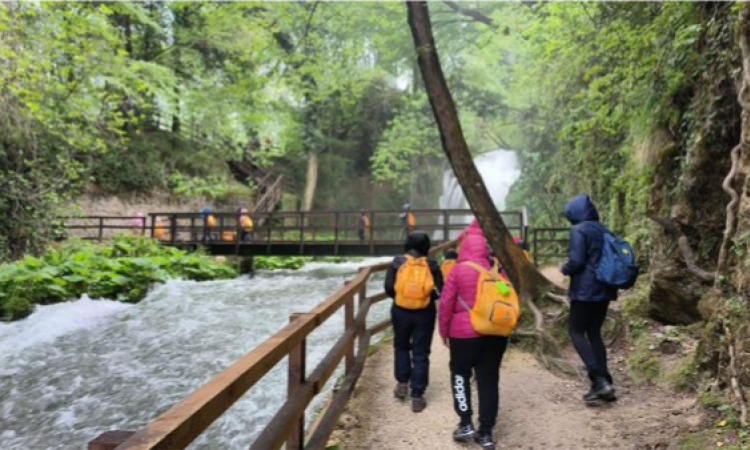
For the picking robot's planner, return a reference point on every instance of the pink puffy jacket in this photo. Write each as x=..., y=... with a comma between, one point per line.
x=454, y=319
x=473, y=228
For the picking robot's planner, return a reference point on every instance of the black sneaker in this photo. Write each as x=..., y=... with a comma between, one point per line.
x=464, y=433
x=601, y=391
x=401, y=391
x=485, y=441
x=418, y=404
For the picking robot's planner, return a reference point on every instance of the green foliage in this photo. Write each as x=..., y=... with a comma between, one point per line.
x=279, y=262
x=122, y=269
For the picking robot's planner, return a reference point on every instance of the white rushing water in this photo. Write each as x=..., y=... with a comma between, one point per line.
x=73, y=370
x=499, y=170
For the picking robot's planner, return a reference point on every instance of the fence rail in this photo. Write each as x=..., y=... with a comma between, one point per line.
x=184, y=422
x=549, y=244
x=333, y=229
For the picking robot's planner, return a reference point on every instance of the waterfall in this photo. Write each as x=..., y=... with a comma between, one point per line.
x=499, y=170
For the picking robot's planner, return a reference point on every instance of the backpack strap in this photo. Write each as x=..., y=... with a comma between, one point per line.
x=494, y=274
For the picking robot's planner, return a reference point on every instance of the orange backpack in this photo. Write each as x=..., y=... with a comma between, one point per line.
x=414, y=283
x=496, y=308
x=446, y=267
x=411, y=220
x=210, y=221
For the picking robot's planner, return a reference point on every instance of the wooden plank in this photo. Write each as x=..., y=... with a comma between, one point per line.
x=322, y=432
x=181, y=424
x=380, y=327
x=348, y=324
x=297, y=370
x=275, y=433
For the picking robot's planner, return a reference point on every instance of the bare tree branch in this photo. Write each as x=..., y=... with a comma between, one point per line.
x=474, y=14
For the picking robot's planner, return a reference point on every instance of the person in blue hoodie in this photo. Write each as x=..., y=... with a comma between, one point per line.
x=589, y=299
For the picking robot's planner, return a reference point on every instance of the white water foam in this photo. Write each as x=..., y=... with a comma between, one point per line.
x=123, y=365
x=49, y=322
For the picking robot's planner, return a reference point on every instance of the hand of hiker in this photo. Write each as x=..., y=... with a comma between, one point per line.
x=446, y=343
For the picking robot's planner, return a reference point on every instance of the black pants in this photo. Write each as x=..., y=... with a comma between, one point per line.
x=361, y=233
x=585, y=328
x=413, y=331
x=484, y=355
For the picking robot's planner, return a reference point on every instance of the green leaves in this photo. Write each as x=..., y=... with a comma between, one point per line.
x=122, y=269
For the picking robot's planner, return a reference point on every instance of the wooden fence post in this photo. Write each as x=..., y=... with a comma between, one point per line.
x=336, y=235
x=173, y=228
x=101, y=228
x=446, y=226
x=297, y=369
x=348, y=324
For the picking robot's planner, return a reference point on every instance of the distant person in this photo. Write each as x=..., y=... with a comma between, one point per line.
x=139, y=224
x=364, y=226
x=160, y=231
x=414, y=282
x=522, y=245
x=448, y=263
x=408, y=221
x=469, y=350
x=589, y=298
x=245, y=224
x=495, y=263
x=209, y=224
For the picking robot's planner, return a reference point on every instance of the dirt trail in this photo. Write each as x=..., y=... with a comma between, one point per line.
x=538, y=411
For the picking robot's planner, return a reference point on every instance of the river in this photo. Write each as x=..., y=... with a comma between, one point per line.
x=73, y=370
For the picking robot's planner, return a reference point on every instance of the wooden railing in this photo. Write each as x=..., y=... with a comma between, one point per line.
x=549, y=244
x=184, y=422
x=285, y=227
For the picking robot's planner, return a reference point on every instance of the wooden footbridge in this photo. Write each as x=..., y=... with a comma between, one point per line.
x=328, y=233
x=180, y=425
x=333, y=233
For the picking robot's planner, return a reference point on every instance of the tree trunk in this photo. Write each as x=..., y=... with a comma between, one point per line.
x=529, y=281
x=312, y=181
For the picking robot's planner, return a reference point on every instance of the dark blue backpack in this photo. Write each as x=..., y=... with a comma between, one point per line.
x=617, y=267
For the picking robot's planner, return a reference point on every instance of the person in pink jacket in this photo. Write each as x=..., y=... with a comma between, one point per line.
x=473, y=228
x=468, y=349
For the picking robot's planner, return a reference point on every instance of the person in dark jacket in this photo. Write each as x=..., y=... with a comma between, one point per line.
x=589, y=299
x=413, y=328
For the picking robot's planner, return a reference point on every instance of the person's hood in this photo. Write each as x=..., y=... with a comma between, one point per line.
x=516, y=240
x=451, y=254
x=474, y=248
x=418, y=243
x=581, y=209
x=244, y=211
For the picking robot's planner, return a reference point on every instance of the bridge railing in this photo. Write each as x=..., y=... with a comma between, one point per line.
x=549, y=244
x=283, y=227
x=183, y=423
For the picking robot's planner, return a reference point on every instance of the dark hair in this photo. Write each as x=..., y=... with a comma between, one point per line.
x=451, y=254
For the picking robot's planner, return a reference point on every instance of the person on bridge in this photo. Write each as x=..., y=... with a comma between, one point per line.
x=364, y=225
x=589, y=298
x=209, y=224
x=522, y=245
x=414, y=282
x=139, y=224
x=469, y=350
x=245, y=223
x=408, y=221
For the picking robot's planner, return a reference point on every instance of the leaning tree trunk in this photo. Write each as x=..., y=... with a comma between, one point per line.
x=530, y=282
x=311, y=183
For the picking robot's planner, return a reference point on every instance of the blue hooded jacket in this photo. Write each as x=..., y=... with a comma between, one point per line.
x=586, y=242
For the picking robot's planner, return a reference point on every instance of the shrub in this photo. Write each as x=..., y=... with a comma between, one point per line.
x=122, y=269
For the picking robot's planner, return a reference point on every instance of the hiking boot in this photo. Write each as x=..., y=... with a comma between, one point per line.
x=401, y=391
x=464, y=433
x=485, y=441
x=418, y=404
x=601, y=391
